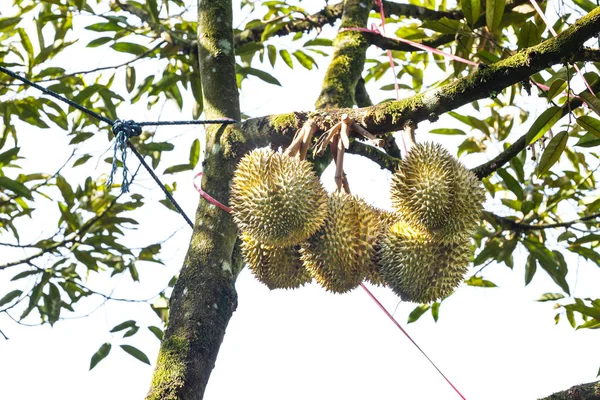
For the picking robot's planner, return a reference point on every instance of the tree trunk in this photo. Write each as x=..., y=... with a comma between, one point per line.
x=204, y=297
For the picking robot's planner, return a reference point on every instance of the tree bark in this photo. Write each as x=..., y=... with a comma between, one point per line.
x=586, y=391
x=204, y=297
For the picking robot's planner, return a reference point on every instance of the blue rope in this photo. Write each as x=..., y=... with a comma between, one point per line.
x=123, y=131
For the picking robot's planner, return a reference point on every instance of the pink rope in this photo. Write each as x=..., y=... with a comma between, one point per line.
x=208, y=197
x=391, y=317
x=553, y=32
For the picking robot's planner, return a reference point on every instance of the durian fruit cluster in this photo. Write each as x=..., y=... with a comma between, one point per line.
x=293, y=231
x=425, y=252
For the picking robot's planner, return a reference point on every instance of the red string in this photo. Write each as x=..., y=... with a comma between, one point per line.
x=391, y=317
x=208, y=197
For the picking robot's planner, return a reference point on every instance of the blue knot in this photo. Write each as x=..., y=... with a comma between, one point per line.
x=123, y=130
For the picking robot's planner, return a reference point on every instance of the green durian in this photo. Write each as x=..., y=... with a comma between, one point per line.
x=434, y=191
x=276, y=267
x=339, y=253
x=384, y=219
x=422, y=187
x=419, y=266
x=276, y=199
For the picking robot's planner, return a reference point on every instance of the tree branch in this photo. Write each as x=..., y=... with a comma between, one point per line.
x=392, y=116
x=384, y=160
x=508, y=224
x=586, y=391
x=514, y=149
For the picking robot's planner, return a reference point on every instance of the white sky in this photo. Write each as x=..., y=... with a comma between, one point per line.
x=492, y=343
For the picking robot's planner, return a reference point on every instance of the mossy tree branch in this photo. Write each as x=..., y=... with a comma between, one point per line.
x=204, y=296
x=586, y=391
x=392, y=116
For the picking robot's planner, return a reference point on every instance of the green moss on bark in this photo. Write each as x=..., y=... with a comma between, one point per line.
x=348, y=60
x=169, y=375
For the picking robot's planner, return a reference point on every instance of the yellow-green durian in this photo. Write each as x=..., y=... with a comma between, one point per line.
x=384, y=219
x=467, y=203
x=422, y=187
x=419, y=266
x=276, y=267
x=339, y=253
x=276, y=199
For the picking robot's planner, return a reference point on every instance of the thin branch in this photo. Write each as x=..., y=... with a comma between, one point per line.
x=508, y=224
x=384, y=160
x=501, y=159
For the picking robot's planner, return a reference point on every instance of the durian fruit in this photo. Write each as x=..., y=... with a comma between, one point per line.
x=435, y=192
x=276, y=199
x=338, y=254
x=423, y=186
x=385, y=219
x=276, y=267
x=467, y=204
x=419, y=266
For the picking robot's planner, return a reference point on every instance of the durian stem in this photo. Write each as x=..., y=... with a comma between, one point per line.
x=345, y=131
x=294, y=147
x=409, y=134
x=366, y=134
x=327, y=138
x=310, y=128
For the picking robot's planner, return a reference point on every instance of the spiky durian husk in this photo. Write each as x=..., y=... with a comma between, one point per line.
x=276, y=267
x=418, y=266
x=384, y=220
x=422, y=187
x=276, y=199
x=467, y=205
x=338, y=254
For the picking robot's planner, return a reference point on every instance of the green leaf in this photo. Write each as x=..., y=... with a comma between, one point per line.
x=16, y=187
x=435, y=310
x=591, y=124
x=552, y=153
x=178, y=168
x=557, y=87
x=123, y=325
x=81, y=137
x=10, y=297
x=130, y=78
x=417, y=312
x=511, y=183
x=551, y=297
x=480, y=282
x=195, y=153
x=131, y=48
x=304, y=59
x=471, y=9
x=587, y=5
x=135, y=353
x=99, y=42
x=104, y=27
x=152, y=8
x=259, y=74
x=272, y=53
x=543, y=124
x=143, y=88
x=6, y=24
x=494, y=11
x=66, y=190
x=8, y=156
x=100, y=355
x=287, y=58
x=443, y=25
x=25, y=274
x=81, y=160
x=132, y=331
x=26, y=43
x=447, y=131
x=530, y=268
x=529, y=35
x=158, y=146
x=592, y=101
x=157, y=332
x=319, y=42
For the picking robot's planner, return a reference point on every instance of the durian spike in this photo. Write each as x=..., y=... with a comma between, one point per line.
x=326, y=138
x=310, y=128
x=367, y=135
